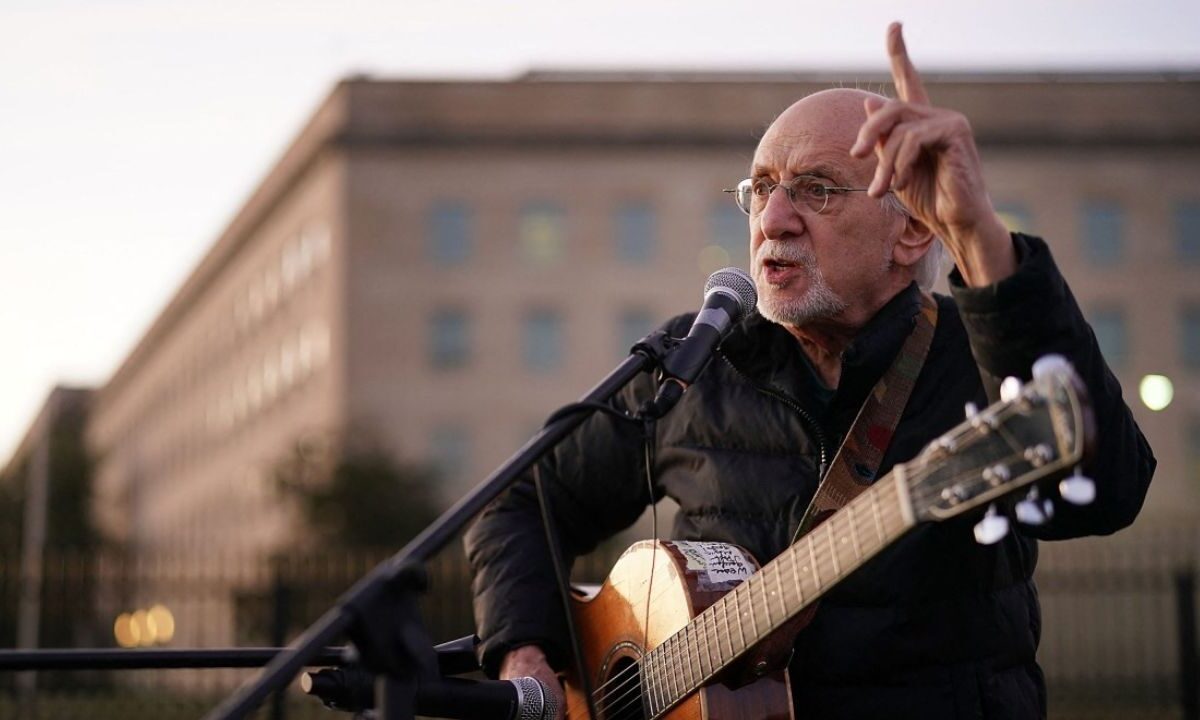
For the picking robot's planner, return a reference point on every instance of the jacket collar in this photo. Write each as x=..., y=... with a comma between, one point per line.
x=768, y=354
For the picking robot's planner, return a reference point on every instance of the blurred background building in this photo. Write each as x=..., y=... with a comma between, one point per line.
x=432, y=267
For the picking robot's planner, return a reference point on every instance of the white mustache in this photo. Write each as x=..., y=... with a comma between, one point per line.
x=784, y=252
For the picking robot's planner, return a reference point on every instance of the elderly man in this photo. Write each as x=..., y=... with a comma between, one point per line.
x=847, y=198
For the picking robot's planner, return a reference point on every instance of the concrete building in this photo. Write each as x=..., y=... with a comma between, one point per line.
x=434, y=266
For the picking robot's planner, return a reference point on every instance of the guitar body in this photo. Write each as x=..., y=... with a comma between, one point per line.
x=683, y=578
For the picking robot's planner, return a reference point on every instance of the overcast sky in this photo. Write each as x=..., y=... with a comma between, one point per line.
x=131, y=131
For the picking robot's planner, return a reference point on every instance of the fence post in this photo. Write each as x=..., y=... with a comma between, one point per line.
x=1189, y=663
x=280, y=619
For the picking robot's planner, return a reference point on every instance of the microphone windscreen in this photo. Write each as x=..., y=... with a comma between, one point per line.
x=736, y=282
x=535, y=701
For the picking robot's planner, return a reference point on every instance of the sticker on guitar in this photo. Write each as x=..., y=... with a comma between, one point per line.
x=714, y=563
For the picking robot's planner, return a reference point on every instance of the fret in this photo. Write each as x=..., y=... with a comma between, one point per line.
x=683, y=661
x=766, y=601
x=878, y=518
x=854, y=531
x=650, y=679
x=708, y=643
x=783, y=606
x=812, y=558
x=692, y=666
x=652, y=693
x=664, y=662
x=837, y=570
x=664, y=678
x=737, y=612
x=753, y=620
x=795, y=563
x=664, y=681
x=696, y=630
x=677, y=685
x=722, y=607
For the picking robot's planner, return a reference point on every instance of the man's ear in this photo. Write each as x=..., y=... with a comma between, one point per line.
x=915, y=240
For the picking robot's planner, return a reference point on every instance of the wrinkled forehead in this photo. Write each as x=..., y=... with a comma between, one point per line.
x=815, y=133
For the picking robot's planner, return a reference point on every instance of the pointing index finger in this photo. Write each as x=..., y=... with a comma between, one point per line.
x=908, y=81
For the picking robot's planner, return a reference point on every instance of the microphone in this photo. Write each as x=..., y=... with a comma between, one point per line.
x=729, y=295
x=523, y=698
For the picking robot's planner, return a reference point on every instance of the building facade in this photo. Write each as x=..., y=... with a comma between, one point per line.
x=434, y=266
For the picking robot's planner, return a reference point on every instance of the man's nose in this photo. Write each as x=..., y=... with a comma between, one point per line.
x=779, y=217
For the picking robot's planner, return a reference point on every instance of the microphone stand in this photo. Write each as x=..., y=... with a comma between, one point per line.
x=456, y=657
x=379, y=613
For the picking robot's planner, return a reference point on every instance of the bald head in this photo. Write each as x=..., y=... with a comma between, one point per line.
x=829, y=119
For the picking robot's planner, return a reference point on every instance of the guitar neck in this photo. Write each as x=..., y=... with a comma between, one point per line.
x=781, y=589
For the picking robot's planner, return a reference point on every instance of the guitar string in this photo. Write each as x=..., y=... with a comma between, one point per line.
x=786, y=562
x=670, y=657
x=674, y=658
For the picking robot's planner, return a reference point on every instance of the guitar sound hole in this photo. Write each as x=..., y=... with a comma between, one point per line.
x=620, y=697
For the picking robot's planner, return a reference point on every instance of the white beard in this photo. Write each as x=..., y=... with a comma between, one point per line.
x=819, y=301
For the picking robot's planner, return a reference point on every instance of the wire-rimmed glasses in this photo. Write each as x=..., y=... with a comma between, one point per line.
x=807, y=193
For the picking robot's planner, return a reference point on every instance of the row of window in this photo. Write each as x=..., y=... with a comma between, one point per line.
x=292, y=361
x=542, y=233
x=1102, y=231
x=450, y=342
x=267, y=289
x=301, y=254
x=1112, y=333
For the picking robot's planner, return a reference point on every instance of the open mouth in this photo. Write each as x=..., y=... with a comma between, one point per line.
x=777, y=271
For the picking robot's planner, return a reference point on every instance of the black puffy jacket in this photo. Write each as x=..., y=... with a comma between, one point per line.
x=936, y=625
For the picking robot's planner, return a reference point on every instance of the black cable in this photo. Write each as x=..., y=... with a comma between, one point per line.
x=564, y=590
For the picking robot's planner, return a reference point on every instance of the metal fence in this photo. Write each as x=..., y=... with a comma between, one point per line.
x=1119, y=634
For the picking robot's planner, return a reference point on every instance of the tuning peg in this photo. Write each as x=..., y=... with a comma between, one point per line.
x=992, y=528
x=1077, y=489
x=970, y=410
x=1010, y=389
x=1034, y=510
x=1048, y=365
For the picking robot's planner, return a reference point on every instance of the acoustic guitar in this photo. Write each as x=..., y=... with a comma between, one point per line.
x=697, y=630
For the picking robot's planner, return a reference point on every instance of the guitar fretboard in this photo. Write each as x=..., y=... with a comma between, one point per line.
x=781, y=589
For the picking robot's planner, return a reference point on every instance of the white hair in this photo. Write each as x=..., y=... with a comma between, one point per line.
x=929, y=267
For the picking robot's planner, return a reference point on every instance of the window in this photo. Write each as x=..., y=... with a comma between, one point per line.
x=633, y=326
x=1187, y=231
x=730, y=238
x=450, y=450
x=1015, y=216
x=1109, y=326
x=635, y=232
x=1103, y=228
x=543, y=340
x=1191, y=336
x=449, y=339
x=542, y=233
x=449, y=233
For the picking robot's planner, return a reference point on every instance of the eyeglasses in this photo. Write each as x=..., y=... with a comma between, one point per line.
x=807, y=193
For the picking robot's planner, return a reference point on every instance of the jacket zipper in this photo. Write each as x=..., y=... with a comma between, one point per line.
x=795, y=406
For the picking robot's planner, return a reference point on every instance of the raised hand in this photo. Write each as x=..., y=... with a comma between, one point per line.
x=927, y=156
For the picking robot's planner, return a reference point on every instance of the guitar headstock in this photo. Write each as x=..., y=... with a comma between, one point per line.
x=1037, y=431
